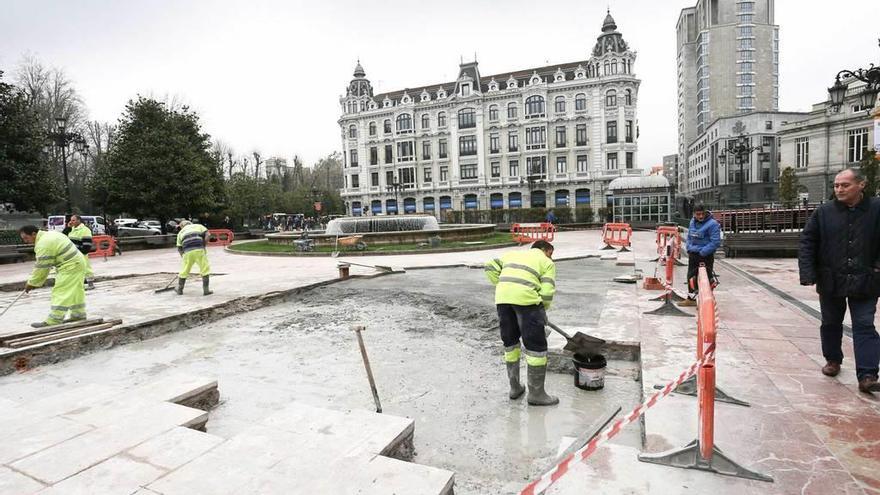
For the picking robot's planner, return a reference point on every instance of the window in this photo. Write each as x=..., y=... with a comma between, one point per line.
x=441, y=119
x=355, y=181
x=745, y=55
x=560, y=104
x=611, y=163
x=513, y=165
x=629, y=131
x=467, y=145
x=426, y=121
x=426, y=173
x=534, y=106
x=511, y=111
x=582, y=163
x=611, y=99
x=580, y=102
x=374, y=179
x=372, y=128
x=352, y=131
x=537, y=166
x=468, y=171
x=512, y=141
x=444, y=173
x=426, y=150
x=768, y=125
x=746, y=67
x=404, y=123
x=441, y=148
x=389, y=153
x=496, y=169
x=629, y=159
x=494, y=143
x=493, y=113
x=858, y=141
x=745, y=32
x=560, y=136
x=353, y=158
x=536, y=138
x=405, y=151
x=374, y=156
x=389, y=177
x=386, y=127
x=407, y=176
x=802, y=152
x=746, y=18
x=611, y=132
x=746, y=7
x=581, y=135
x=466, y=89
x=560, y=165
x=628, y=95
x=466, y=118
x=746, y=90
x=746, y=78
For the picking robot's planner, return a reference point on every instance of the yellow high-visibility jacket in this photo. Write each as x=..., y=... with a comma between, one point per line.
x=191, y=237
x=81, y=236
x=54, y=250
x=524, y=278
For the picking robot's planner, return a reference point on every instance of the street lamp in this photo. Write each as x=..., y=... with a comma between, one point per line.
x=62, y=139
x=395, y=187
x=868, y=96
x=740, y=149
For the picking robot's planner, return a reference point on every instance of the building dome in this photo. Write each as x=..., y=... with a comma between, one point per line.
x=609, y=25
x=359, y=71
x=610, y=41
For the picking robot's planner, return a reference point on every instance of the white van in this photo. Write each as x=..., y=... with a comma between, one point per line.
x=93, y=222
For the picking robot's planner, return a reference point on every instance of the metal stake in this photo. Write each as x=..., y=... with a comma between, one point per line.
x=357, y=330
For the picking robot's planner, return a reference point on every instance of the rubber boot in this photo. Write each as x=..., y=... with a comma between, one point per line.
x=537, y=395
x=90, y=285
x=39, y=324
x=180, y=283
x=206, y=280
x=516, y=389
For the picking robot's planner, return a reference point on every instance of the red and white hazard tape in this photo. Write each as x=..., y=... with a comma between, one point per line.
x=550, y=477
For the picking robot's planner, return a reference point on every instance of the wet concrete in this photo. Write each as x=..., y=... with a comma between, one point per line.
x=435, y=353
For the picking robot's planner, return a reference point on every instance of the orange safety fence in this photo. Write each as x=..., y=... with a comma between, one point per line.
x=104, y=246
x=706, y=332
x=668, y=249
x=617, y=234
x=220, y=237
x=531, y=232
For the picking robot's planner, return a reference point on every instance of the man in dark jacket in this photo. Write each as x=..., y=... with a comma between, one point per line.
x=703, y=239
x=840, y=253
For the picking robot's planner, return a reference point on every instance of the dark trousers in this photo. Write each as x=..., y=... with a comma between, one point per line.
x=694, y=260
x=866, y=342
x=526, y=322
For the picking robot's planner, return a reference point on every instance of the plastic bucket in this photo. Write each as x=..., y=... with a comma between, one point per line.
x=589, y=371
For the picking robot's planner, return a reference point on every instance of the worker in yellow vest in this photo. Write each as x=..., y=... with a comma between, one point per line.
x=81, y=236
x=192, y=241
x=56, y=250
x=525, y=282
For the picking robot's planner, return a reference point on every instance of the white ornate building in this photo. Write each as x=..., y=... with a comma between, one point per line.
x=548, y=136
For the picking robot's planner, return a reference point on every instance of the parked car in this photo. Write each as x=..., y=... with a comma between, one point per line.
x=123, y=221
x=137, y=229
x=153, y=224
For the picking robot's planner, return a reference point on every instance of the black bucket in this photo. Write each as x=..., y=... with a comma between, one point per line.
x=589, y=371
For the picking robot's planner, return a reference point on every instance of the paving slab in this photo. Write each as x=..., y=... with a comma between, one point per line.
x=174, y=448
x=16, y=483
x=119, y=475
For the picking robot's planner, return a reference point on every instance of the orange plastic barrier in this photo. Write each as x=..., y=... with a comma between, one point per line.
x=706, y=332
x=617, y=234
x=666, y=236
x=220, y=237
x=531, y=232
x=104, y=246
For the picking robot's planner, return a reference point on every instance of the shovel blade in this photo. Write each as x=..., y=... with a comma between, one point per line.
x=581, y=342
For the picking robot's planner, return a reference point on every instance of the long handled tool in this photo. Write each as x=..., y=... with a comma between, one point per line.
x=377, y=267
x=358, y=329
x=579, y=343
x=167, y=287
x=13, y=302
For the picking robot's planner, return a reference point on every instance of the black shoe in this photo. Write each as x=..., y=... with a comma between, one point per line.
x=869, y=385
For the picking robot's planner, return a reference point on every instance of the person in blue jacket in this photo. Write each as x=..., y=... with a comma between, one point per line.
x=703, y=239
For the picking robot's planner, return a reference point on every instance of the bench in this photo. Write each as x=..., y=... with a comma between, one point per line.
x=781, y=244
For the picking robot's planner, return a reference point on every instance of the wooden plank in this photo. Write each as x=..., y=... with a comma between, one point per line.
x=57, y=336
x=50, y=329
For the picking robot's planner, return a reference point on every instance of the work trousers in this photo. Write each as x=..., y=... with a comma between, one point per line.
x=68, y=295
x=866, y=341
x=694, y=260
x=89, y=272
x=195, y=257
x=526, y=323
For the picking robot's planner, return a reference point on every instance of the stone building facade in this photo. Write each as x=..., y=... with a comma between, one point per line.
x=540, y=137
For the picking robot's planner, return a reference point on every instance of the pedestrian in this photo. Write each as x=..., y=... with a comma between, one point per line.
x=191, y=244
x=525, y=282
x=840, y=254
x=703, y=239
x=55, y=250
x=81, y=236
x=551, y=217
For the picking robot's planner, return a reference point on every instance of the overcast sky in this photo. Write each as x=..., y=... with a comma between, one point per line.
x=267, y=75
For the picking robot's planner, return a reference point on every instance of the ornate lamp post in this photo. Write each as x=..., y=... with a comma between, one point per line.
x=62, y=139
x=868, y=96
x=740, y=148
x=395, y=187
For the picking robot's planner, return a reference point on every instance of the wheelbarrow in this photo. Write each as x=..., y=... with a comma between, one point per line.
x=352, y=241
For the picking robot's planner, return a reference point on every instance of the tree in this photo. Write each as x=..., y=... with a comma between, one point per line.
x=788, y=187
x=26, y=178
x=161, y=164
x=870, y=167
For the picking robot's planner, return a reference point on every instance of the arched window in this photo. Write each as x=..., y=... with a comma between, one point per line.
x=372, y=128
x=404, y=122
x=441, y=119
x=514, y=200
x=611, y=98
x=466, y=118
x=535, y=106
x=580, y=102
x=352, y=131
x=628, y=97
x=614, y=66
x=560, y=104
x=511, y=110
x=496, y=201
x=607, y=67
x=493, y=112
x=386, y=127
x=426, y=121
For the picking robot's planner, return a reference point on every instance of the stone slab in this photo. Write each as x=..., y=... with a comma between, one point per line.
x=174, y=448
x=38, y=436
x=118, y=475
x=16, y=483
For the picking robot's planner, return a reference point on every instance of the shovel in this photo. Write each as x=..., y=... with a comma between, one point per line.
x=167, y=287
x=580, y=343
x=13, y=302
